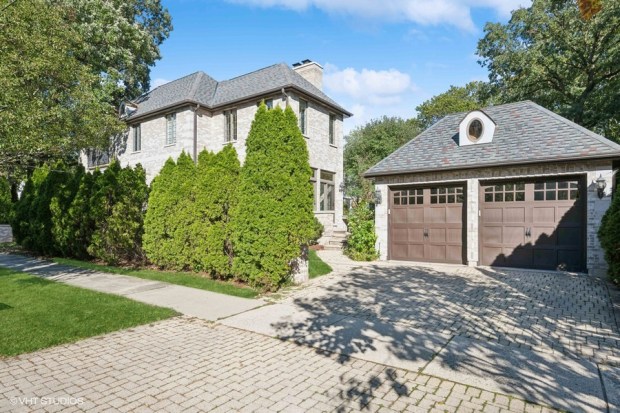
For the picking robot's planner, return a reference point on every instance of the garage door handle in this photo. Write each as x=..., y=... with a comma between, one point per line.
x=528, y=232
x=426, y=232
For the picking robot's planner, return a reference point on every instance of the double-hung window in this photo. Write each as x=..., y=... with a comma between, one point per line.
x=171, y=129
x=327, y=194
x=231, y=125
x=137, y=138
x=303, y=116
x=332, y=129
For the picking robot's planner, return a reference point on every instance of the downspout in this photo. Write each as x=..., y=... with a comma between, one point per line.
x=196, y=134
x=285, y=96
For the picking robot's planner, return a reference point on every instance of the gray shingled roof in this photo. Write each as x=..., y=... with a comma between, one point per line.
x=202, y=89
x=525, y=133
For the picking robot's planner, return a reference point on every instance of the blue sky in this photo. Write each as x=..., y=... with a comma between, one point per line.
x=381, y=57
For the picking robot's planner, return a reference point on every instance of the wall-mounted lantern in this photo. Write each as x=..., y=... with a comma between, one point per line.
x=341, y=187
x=601, y=184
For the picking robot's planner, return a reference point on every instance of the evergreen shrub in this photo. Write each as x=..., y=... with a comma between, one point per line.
x=609, y=236
x=361, y=241
x=274, y=216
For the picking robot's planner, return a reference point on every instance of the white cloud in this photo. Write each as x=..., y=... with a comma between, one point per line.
x=158, y=82
x=370, y=93
x=425, y=12
x=378, y=87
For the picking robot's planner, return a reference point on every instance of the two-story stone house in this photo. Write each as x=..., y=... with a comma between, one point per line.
x=197, y=112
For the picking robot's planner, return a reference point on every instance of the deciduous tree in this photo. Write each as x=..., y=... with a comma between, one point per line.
x=368, y=144
x=553, y=55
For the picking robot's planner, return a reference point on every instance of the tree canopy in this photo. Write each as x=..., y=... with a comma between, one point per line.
x=64, y=68
x=368, y=144
x=565, y=58
x=473, y=95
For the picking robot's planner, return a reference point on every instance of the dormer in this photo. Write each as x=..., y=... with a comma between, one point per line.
x=476, y=128
x=127, y=109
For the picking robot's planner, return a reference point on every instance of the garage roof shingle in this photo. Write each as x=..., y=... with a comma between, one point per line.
x=202, y=89
x=525, y=133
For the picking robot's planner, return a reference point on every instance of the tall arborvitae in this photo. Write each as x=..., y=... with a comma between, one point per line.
x=118, y=202
x=216, y=196
x=63, y=225
x=169, y=213
x=274, y=217
x=80, y=224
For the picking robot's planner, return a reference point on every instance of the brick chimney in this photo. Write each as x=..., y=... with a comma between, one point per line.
x=311, y=71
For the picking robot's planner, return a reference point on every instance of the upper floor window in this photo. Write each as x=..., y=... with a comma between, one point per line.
x=231, y=125
x=303, y=113
x=332, y=129
x=171, y=129
x=268, y=103
x=137, y=138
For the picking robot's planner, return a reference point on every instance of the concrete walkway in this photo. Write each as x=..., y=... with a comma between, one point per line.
x=192, y=302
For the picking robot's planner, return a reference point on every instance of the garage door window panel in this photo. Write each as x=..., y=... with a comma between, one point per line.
x=536, y=224
x=512, y=192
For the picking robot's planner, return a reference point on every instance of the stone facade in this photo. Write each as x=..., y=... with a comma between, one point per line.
x=471, y=178
x=210, y=135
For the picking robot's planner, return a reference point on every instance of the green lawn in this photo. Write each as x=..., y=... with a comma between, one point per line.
x=180, y=278
x=316, y=265
x=36, y=313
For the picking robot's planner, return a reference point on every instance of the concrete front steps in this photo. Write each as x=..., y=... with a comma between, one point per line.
x=335, y=241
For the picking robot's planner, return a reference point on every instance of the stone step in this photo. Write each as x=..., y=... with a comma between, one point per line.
x=335, y=242
x=332, y=247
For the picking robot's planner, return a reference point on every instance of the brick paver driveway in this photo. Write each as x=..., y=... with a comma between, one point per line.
x=186, y=364
x=544, y=311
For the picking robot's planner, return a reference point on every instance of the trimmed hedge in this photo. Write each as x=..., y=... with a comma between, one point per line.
x=609, y=235
x=274, y=217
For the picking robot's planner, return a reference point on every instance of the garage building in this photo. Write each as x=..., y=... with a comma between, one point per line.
x=511, y=185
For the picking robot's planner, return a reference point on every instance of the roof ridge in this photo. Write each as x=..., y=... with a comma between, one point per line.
x=574, y=125
x=249, y=73
x=194, y=89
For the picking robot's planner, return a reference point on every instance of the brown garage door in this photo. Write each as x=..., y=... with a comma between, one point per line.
x=537, y=224
x=426, y=224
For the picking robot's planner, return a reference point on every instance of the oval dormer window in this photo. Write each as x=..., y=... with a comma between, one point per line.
x=474, y=130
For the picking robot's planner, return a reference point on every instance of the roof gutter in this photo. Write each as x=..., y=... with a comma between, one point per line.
x=488, y=165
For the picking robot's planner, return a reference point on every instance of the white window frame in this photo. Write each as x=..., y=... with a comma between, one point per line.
x=171, y=129
x=230, y=125
x=137, y=138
